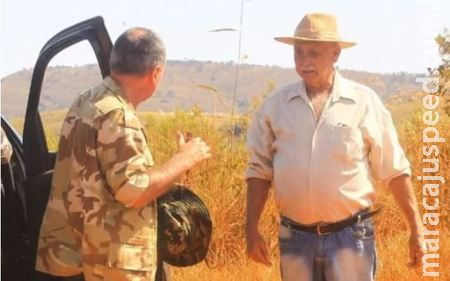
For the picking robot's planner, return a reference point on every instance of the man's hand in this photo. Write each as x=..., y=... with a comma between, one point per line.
x=161, y=179
x=257, y=248
x=257, y=193
x=416, y=251
x=403, y=192
x=194, y=151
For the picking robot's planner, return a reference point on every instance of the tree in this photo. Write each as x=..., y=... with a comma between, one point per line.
x=442, y=72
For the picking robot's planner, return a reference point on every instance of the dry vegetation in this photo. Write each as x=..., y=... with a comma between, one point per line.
x=221, y=185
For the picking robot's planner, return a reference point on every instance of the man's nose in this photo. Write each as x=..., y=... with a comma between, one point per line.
x=304, y=61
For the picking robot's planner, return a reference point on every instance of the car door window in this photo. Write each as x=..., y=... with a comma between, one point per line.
x=63, y=82
x=38, y=152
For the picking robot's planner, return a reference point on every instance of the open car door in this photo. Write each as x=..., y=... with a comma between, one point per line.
x=15, y=241
x=39, y=162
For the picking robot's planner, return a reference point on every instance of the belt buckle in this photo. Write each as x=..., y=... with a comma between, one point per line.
x=358, y=219
x=287, y=224
x=319, y=232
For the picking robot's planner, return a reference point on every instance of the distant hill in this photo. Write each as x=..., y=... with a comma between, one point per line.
x=186, y=83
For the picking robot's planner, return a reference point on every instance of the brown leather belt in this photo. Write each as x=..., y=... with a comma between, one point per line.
x=326, y=228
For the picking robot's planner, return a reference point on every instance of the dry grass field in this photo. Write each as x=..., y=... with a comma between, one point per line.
x=220, y=183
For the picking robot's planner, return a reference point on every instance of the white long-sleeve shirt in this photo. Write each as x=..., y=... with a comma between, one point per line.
x=322, y=169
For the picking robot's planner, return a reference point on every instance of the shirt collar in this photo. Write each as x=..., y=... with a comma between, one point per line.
x=298, y=91
x=339, y=90
x=111, y=85
x=114, y=87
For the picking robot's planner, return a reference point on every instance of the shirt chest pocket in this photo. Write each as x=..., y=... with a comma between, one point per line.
x=346, y=143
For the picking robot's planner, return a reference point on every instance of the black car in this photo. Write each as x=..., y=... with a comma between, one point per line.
x=26, y=179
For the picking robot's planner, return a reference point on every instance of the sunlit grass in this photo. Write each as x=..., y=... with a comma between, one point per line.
x=220, y=182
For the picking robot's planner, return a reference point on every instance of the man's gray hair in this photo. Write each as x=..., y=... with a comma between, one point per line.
x=137, y=51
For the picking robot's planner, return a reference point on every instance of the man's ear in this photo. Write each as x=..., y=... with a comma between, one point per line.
x=157, y=73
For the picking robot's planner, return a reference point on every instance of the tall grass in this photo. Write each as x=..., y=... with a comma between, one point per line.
x=220, y=183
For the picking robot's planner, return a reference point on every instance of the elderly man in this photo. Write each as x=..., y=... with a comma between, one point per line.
x=320, y=142
x=101, y=216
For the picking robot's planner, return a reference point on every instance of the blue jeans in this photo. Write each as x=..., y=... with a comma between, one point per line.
x=347, y=255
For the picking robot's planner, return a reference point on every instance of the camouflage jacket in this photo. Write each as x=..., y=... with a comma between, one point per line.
x=101, y=168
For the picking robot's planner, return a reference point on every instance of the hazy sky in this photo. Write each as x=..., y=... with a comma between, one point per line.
x=389, y=33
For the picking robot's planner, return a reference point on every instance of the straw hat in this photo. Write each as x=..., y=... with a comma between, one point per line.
x=317, y=27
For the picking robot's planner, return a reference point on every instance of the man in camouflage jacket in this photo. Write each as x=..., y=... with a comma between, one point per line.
x=101, y=215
